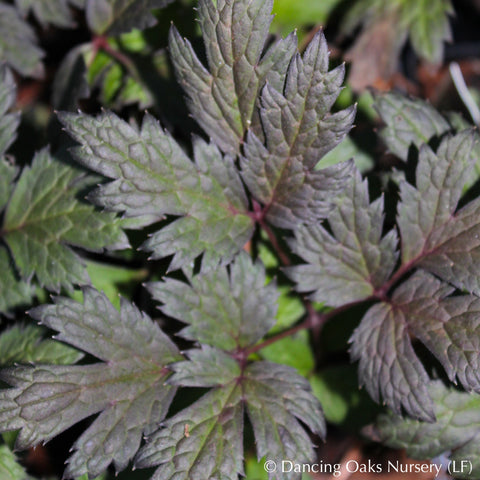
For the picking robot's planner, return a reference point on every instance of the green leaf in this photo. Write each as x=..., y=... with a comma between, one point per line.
x=222, y=99
x=205, y=440
x=112, y=280
x=26, y=344
x=293, y=14
x=346, y=150
x=409, y=122
x=18, y=44
x=429, y=26
x=120, y=86
x=43, y=216
x=343, y=403
x=13, y=291
x=456, y=430
x=55, y=12
x=434, y=235
x=100, y=477
x=254, y=469
x=113, y=17
x=9, y=468
x=389, y=367
x=294, y=351
x=226, y=308
x=290, y=306
x=8, y=121
x=127, y=387
x=299, y=131
x=354, y=260
x=154, y=177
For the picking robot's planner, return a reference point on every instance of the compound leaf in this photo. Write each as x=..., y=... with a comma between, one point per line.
x=18, y=44
x=27, y=344
x=113, y=17
x=456, y=430
x=128, y=387
x=354, y=260
x=205, y=439
x=447, y=326
x=154, y=177
x=44, y=215
x=299, y=130
x=388, y=364
x=222, y=99
x=410, y=121
x=229, y=310
x=55, y=12
x=8, y=121
x=223, y=308
x=434, y=235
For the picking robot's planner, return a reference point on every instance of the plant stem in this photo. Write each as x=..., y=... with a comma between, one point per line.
x=282, y=255
x=279, y=336
x=313, y=320
x=101, y=43
x=316, y=320
x=381, y=292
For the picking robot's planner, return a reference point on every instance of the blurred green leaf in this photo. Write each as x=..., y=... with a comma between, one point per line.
x=342, y=401
x=345, y=151
x=27, y=344
x=103, y=476
x=294, y=14
x=9, y=468
x=254, y=469
x=290, y=307
x=294, y=351
x=133, y=81
x=112, y=280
